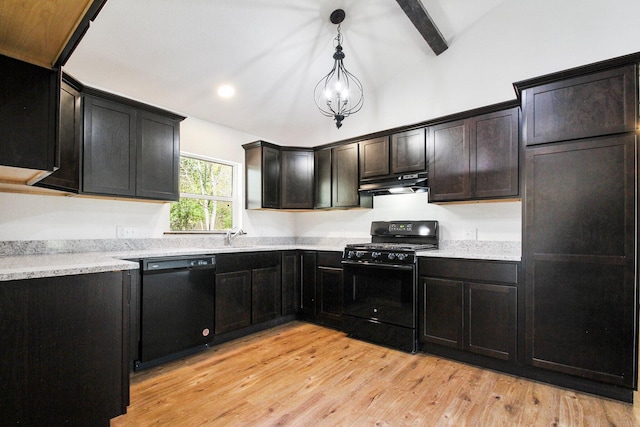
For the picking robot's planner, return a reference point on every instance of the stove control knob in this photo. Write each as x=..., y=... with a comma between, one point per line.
x=391, y=255
x=350, y=254
x=376, y=254
x=401, y=257
x=359, y=254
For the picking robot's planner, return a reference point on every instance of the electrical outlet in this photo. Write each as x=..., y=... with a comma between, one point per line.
x=471, y=234
x=125, y=232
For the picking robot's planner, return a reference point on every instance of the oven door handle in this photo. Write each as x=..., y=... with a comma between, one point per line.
x=376, y=265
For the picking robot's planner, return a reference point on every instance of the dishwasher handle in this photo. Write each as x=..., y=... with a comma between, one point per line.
x=178, y=263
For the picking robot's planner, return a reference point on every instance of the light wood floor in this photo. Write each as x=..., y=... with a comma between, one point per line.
x=304, y=375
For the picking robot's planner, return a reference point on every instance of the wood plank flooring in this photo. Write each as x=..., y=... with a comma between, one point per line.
x=300, y=374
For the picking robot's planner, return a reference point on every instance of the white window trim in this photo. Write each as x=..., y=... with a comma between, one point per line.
x=236, y=199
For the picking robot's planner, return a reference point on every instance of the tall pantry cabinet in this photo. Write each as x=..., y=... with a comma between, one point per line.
x=579, y=242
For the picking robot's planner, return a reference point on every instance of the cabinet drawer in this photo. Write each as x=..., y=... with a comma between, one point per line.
x=246, y=261
x=466, y=269
x=329, y=259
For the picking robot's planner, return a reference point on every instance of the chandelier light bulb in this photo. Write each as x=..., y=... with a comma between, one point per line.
x=339, y=93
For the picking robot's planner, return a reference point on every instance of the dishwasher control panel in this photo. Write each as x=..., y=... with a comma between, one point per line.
x=178, y=262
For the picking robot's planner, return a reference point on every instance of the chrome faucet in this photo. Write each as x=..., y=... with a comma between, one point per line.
x=232, y=233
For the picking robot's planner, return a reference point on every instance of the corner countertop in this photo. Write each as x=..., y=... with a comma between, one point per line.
x=34, y=265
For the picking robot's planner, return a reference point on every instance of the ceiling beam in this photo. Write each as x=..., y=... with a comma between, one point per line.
x=425, y=25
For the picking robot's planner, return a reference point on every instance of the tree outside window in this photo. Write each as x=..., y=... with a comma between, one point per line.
x=206, y=196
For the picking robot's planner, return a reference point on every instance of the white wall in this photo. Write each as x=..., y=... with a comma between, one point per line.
x=36, y=217
x=517, y=40
x=469, y=221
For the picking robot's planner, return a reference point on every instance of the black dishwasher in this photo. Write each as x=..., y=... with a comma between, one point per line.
x=177, y=307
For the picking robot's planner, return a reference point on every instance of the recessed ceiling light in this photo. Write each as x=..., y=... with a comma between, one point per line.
x=226, y=91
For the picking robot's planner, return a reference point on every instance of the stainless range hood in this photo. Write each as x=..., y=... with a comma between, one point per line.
x=403, y=184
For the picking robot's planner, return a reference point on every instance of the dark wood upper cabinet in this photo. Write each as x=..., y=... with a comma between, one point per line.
x=336, y=178
x=278, y=177
x=108, y=147
x=475, y=158
x=69, y=176
x=270, y=177
x=109, y=165
x=296, y=169
x=408, y=151
x=157, y=157
x=374, y=157
x=262, y=175
x=322, y=178
x=449, y=157
x=595, y=104
x=391, y=155
x=28, y=115
x=494, y=154
x=344, y=170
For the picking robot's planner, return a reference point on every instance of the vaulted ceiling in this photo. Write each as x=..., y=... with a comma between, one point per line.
x=175, y=54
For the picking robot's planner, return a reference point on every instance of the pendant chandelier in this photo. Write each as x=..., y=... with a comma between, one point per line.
x=338, y=94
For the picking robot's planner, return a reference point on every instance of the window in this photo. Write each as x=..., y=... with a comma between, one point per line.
x=207, y=191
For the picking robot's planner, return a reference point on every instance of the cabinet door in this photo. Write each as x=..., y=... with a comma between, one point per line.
x=158, y=157
x=409, y=151
x=28, y=115
x=442, y=312
x=374, y=157
x=297, y=179
x=590, y=105
x=449, y=157
x=330, y=292
x=233, y=301
x=494, y=154
x=579, y=249
x=67, y=178
x=270, y=177
x=64, y=353
x=290, y=263
x=345, y=176
x=308, y=283
x=109, y=165
x=322, y=172
x=491, y=320
x=266, y=302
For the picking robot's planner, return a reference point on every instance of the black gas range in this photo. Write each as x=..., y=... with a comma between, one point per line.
x=380, y=282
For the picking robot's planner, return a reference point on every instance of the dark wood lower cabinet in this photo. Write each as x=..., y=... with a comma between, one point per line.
x=581, y=286
x=308, y=283
x=321, y=287
x=442, y=311
x=329, y=287
x=248, y=290
x=266, y=294
x=233, y=301
x=290, y=271
x=491, y=322
x=470, y=306
x=64, y=350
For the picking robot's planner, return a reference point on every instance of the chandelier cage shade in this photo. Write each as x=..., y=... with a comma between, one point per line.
x=339, y=94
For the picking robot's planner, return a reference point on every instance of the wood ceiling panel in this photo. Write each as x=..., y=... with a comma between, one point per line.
x=36, y=31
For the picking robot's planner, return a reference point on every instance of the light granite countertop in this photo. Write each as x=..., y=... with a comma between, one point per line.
x=26, y=262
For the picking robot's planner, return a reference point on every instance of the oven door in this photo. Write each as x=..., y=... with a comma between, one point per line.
x=380, y=293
